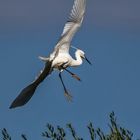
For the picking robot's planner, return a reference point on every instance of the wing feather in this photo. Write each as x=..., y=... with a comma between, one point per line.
x=26, y=94
x=76, y=15
x=72, y=25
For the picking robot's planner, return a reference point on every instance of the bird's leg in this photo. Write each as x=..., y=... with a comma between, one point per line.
x=73, y=75
x=68, y=96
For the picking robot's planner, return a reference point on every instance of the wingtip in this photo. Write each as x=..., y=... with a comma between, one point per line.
x=24, y=96
x=14, y=105
x=11, y=107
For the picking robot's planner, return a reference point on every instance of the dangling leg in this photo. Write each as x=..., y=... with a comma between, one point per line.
x=73, y=75
x=68, y=96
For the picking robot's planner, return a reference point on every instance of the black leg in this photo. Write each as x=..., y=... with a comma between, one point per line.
x=73, y=75
x=68, y=96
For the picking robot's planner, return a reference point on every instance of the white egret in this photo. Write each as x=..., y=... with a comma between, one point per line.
x=60, y=58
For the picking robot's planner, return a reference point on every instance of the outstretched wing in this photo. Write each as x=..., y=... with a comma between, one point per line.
x=74, y=22
x=28, y=91
x=44, y=73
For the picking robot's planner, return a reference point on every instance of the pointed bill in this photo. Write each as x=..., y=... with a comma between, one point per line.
x=88, y=60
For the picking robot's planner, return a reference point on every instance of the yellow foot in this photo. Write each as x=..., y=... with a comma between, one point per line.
x=68, y=96
x=76, y=77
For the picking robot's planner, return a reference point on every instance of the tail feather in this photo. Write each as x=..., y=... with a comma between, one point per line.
x=45, y=59
x=24, y=96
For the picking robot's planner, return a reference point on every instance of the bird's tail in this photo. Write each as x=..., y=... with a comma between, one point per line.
x=45, y=59
x=24, y=96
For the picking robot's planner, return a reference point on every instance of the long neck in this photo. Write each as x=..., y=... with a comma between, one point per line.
x=78, y=61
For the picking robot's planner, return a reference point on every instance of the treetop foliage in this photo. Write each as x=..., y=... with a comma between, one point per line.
x=116, y=132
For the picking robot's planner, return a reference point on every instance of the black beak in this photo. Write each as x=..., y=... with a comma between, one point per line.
x=87, y=60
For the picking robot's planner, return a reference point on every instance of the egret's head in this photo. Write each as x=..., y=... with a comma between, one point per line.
x=82, y=55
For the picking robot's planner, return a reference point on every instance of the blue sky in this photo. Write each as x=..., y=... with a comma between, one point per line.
x=109, y=36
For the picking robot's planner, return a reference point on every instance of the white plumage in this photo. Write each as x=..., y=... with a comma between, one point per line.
x=60, y=58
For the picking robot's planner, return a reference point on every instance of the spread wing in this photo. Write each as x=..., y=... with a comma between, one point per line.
x=44, y=73
x=28, y=91
x=72, y=25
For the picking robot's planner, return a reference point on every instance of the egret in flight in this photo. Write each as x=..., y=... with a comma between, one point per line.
x=60, y=58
